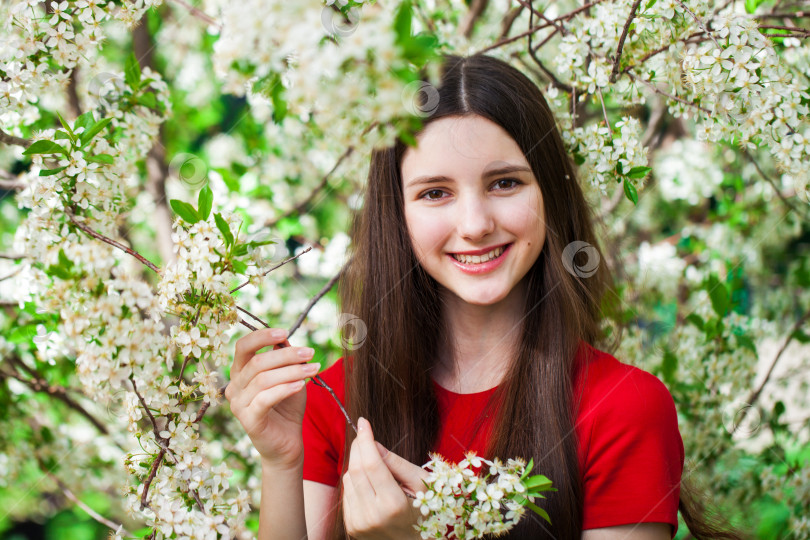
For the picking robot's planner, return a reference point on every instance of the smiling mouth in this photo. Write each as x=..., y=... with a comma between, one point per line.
x=480, y=259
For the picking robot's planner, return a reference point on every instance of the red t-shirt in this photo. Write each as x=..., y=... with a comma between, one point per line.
x=630, y=449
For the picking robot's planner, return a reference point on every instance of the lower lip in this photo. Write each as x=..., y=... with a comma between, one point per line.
x=481, y=268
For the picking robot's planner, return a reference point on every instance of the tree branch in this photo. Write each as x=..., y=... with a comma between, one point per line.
x=282, y=263
x=615, y=73
x=198, y=13
x=112, y=242
x=92, y=513
x=5, y=138
x=302, y=206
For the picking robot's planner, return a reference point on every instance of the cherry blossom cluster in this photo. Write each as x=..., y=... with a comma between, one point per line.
x=459, y=503
x=608, y=155
x=753, y=99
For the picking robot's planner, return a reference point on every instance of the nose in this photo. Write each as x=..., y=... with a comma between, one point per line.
x=475, y=218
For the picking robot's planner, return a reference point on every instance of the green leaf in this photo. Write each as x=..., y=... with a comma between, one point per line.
x=132, y=72
x=402, y=22
x=239, y=267
x=539, y=511
x=84, y=121
x=669, y=365
x=148, y=99
x=719, y=295
x=51, y=172
x=205, y=200
x=240, y=250
x=88, y=135
x=61, y=135
x=255, y=244
x=44, y=147
x=222, y=225
x=746, y=342
x=638, y=172
x=630, y=191
x=538, y=482
x=185, y=211
x=751, y=6
x=100, y=158
x=697, y=320
x=528, y=469
x=66, y=126
x=800, y=336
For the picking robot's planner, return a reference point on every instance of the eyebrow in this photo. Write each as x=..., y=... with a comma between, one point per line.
x=429, y=179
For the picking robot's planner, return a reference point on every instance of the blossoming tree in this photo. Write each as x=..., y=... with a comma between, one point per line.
x=171, y=174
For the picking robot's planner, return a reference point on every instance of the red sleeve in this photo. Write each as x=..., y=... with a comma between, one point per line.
x=323, y=428
x=634, y=453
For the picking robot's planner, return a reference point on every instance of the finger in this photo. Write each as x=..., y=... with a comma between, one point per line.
x=264, y=402
x=375, y=468
x=410, y=476
x=248, y=345
x=364, y=489
x=351, y=505
x=271, y=378
x=271, y=360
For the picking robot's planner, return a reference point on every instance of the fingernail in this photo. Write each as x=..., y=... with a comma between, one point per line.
x=361, y=424
x=306, y=352
x=278, y=333
x=382, y=450
x=311, y=368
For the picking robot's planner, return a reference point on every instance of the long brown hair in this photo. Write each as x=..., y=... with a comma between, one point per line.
x=388, y=377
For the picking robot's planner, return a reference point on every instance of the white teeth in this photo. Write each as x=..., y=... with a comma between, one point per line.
x=478, y=259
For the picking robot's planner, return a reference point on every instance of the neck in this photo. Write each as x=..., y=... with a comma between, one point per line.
x=483, y=341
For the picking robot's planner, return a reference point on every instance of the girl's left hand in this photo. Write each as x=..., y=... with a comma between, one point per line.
x=374, y=504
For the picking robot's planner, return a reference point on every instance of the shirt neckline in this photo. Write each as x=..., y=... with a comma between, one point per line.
x=467, y=395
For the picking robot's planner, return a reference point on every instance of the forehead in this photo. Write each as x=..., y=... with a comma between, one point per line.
x=460, y=145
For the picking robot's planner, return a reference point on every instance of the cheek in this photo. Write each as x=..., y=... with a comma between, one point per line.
x=428, y=232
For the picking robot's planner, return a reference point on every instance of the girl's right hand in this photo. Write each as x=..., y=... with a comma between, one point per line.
x=265, y=394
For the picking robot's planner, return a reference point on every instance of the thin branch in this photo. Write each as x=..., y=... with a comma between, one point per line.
x=112, y=242
x=13, y=256
x=198, y=13
x=282, y=263
x=152, y=473
x=770, y=181
x=477, y=8
x=522, y=35
x=314, y=300
x=12, y=185
x=302, y=206
x=92, y=513
x=754, y=396
x=39, y=384
x=615, y=73
x=604, y=110
x=5, y=138
x=700, y=22
x=508, y=20
x=665, y=94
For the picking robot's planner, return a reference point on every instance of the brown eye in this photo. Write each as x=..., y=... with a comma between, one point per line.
x=513, y=181
x=426, y=195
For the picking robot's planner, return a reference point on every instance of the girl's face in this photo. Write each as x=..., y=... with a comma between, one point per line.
x=469, y=190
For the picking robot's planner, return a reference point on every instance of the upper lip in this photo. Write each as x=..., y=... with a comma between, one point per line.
x=478, y=251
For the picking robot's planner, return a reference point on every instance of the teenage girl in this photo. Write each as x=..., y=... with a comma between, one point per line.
x=476, y=278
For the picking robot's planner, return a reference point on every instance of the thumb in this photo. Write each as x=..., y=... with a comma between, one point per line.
x=410, y=476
